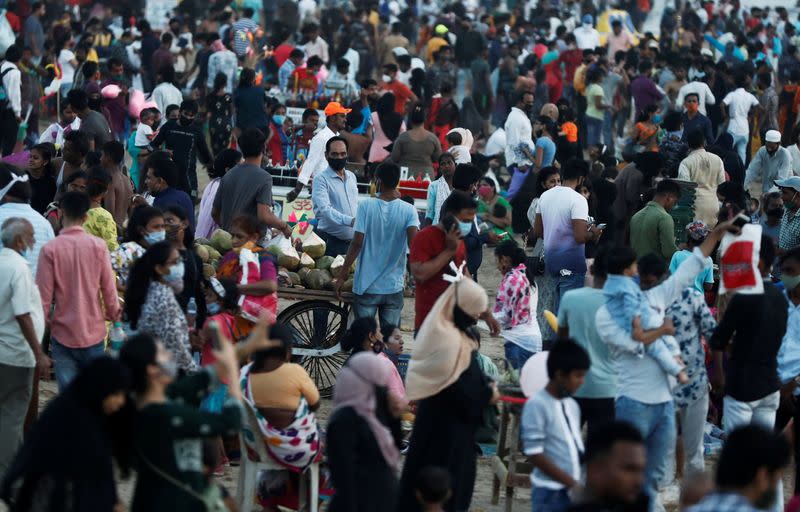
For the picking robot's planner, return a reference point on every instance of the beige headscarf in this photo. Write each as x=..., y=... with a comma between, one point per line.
x=441, y=351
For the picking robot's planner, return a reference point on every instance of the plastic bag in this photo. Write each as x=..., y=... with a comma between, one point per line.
x=7, y=37
x=738, y=264
x=251, y=306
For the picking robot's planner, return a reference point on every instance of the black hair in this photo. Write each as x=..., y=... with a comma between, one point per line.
x=115, y=151
x=747, y=450
x=13, y=53
x=163, y=167
x=454, y=139
x=89, y=69
x=247, y=78
x=417, y=115
x=403, y=59
x=78, y=99
x=284, y=334
x=247, y=12
x=142, y=273
x=390, y=67
x=335, y=138
x=296, y=54
x=652, y=264
x=389, y=174
x=137, y=353
x=251, y=142
x=231, y=300
x=672, y=121
x=668, y=187
x=20, y=190
x=166, y=38
x=696, y=138
x=220, y=81
x=248, y=223
x=171, y=108
x=696, y=96
x=189, y=106
x=600, y=264
x=140, y=218
x=314, y=61
x=183, y=215
x=602, y=439
x=309, y=112
x=574, y=169
x=457, y=201
x=74, y=205
x=341, y=64
x=48, y=152
x=360, y=329
x=99, y=181
x=619, y=259
x=512, y=250
x=224, y=160
x=92, y=159
x=78, y=141
x=499, y=210
x=433, y=484
x=465, y=176
x=644, y=114
x=566, y=356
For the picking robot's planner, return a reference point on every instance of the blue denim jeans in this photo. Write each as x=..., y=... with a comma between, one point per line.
x=594, y=130
x=565, y=284
x=549, y=500
x=516, y=355
x=740, y=145
x=69, y=361
x=656, y=422
x=387, y=306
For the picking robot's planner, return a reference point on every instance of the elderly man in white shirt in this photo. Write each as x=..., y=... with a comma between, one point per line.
x=771, y=162
x=316, y=162
x=21, y=328
x=644, y=392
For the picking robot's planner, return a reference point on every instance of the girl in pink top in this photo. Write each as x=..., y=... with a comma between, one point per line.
x=365, y=335
x=387, y=125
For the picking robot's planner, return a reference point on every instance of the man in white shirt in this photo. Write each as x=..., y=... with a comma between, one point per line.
x=335, y=120
x=21, y=328
x=165, y=93
x=315, y=45
x=704, y=94
x=519, y=142
x=644, y=395
x=770, y=163
x=11, y=105
x=736, y=108
x=586, y=36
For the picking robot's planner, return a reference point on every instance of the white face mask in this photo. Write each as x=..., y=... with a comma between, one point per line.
x=386, y=78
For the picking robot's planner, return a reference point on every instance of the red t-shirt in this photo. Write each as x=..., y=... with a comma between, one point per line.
x=428, y=244
x=281, y=53
x=401, y=95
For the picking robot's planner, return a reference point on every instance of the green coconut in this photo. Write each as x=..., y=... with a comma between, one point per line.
x=289, y=258
x=213, y=254
x=317, y=279
x=208, y=271
x=347, y=286
x=221, y=240
x=295, y=278
x=307, y=261
x=324, y=262
x=201, y=241
x=314, y=246
x=337, y=264
x=202, y=253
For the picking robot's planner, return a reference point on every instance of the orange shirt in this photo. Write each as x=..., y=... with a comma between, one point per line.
x=282, y=387
x=570, y=130
x=401, y=95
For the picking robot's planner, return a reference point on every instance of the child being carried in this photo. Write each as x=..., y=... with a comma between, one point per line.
x=630, y=309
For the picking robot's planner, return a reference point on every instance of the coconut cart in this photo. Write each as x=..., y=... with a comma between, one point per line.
x=319, y=320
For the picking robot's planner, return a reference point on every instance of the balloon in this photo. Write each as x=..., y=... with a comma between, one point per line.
x=533, y=377
x=111, y=91
x=135, y=102
x=552, y=320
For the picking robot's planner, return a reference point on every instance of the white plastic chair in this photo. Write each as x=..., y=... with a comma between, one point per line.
x=251, y=436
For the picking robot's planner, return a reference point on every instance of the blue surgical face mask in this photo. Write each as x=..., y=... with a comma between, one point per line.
x=658, y=118
x=214, y=308
x=155, y=237
x=790, y=282
x=465, y=227
x=175, y=276
x=278, y=119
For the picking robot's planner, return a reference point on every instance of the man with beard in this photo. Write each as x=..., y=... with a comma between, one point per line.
x=615, y=462
x=749, y=469
x=185, y=139
x=771, y=162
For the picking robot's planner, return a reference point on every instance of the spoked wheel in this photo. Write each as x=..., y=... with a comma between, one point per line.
x=317, y=326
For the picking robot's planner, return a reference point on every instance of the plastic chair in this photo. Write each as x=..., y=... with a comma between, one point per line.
x=251, y=437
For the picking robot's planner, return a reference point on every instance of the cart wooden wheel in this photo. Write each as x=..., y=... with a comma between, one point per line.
x=318, y=325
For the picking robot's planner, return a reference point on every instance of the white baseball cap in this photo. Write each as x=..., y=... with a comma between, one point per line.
x=773, y=136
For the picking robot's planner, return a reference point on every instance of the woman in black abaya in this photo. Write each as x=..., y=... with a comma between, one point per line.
x=451, y=390
x=65, y=464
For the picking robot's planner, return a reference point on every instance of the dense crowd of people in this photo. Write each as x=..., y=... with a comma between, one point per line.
x=606, y=170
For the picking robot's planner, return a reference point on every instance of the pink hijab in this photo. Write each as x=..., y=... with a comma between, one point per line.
x=355, y=387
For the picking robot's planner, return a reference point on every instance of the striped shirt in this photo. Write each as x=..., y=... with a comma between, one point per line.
x=242, y=29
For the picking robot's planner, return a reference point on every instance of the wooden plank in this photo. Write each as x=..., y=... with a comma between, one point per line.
x=306, y=294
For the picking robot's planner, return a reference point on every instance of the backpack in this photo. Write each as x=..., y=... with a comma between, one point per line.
x=4, y=104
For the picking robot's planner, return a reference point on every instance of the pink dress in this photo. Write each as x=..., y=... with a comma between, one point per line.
x=377, y=151
x=395, y=382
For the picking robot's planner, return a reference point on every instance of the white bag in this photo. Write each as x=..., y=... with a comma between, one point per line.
x=7, y=37
x=738, y=262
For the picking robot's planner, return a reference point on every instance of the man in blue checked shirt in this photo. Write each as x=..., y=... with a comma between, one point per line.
x=334, y=193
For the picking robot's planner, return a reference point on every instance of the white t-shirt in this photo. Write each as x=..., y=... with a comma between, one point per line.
x=739, y=103
x=144, y=134
x=67, y=69
x=699, y=88
x=558, y=207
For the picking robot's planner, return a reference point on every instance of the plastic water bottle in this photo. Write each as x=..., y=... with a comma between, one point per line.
x=115, y=339
x=191, y=312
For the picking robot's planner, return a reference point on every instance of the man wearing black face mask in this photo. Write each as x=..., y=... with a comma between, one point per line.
x=185, y=139
x=334, y=194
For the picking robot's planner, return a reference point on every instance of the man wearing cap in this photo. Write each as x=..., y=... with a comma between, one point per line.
x=587, y=37
x=335, y=119
x=771, y=163
x=789, y=237
x=436, y=42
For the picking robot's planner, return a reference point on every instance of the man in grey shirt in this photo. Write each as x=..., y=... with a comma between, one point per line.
x=247, y=188
x=34, y=32
x=93, y=123
x=644, y=395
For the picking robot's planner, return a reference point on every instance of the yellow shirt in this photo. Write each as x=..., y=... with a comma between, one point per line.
x=91, y=56
x=282, y=387
x=100, y=223
x=434, y=45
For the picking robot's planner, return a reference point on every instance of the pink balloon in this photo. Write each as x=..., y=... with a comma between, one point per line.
x=135, y=102
x=111, y=91
x=533, y=376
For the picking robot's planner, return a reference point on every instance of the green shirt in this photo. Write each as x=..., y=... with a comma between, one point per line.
x=170, y=437
x=653, y=230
